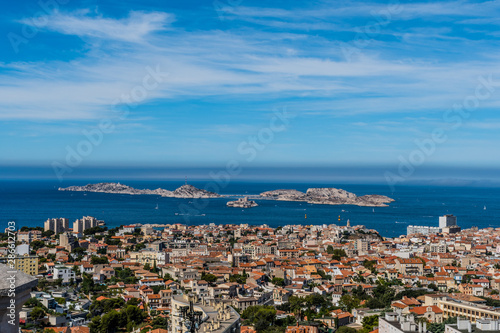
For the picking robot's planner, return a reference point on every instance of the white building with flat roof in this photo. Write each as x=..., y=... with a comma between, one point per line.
x=447, y=221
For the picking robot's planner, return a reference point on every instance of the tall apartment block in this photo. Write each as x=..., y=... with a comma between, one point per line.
x=85, y=223
x=57, y=225
x=447, y=221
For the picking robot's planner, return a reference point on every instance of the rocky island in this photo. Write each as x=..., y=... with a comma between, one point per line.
x=185, y=191
x=242, y=203
x=328, y=196
x=324, y=196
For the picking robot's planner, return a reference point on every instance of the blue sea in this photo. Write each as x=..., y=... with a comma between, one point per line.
x=30, y=203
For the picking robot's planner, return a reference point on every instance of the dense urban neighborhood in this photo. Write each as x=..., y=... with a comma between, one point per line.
x=252, y=279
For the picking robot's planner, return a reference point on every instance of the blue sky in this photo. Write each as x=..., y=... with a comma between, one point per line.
x=362, y=81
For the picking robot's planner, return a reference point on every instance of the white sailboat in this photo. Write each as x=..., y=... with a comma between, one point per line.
x=156, y=206
x=484, y=207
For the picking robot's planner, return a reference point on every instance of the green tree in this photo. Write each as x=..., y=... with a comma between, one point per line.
x=79, y=251
x=110, y=322
x=240, y=279
x=210, y=278
x=297, y=306
x=32, y=302
x=329, y=249
x=348, y=302
x=132, y=314
x=48, y=233
x=36, y=245
x=99, y=260
x=370, y=322
x=338, y=254
x=439, y=328
x=278, y=281
x=37, y=313
x=345, y=329
x=370, y=264
x=60, y=300
x=261, y=317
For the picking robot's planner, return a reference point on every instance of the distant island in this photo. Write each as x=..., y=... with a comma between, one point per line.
x=185, y=191
x=242, y=203
x=329, y=196
x=323, y=196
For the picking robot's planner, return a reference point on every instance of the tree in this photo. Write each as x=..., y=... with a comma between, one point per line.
x=60, y=300
x=140, y=246
x=210, y=278
x=99, y=260
x=37, y=313
x=278, y=281
x=439, y=328
x=329, y=249
x=32, y=302
x=348, y=302
x=36, y=245
x=110, y=322
x=323, y=275
x=261, y=317
x=370, y=264
x=370, y=322
x=94, y=230
x=79, y=251
x=132, y=314
x=48, y=233
x=159, y=322
x=433, y=287
x=297, y=305
x=345, y=329
x=338, y=254
x=240, y=279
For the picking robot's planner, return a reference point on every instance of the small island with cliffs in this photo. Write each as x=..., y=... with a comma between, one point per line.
x=321, y=196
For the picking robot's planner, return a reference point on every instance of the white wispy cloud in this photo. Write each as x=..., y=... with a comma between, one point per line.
x=236, y=63
x=84, y=23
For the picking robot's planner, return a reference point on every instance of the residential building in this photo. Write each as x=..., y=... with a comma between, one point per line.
x=216, y=315
x=85, y=222
x=27, y=264
x=57, y=225
x=63, y=272
x=447, y=221
x=465, y=326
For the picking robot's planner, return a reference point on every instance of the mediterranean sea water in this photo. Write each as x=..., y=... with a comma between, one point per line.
x=30, y=203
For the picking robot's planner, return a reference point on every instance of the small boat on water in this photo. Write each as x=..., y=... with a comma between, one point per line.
x=484, y=208
x=156, y=206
